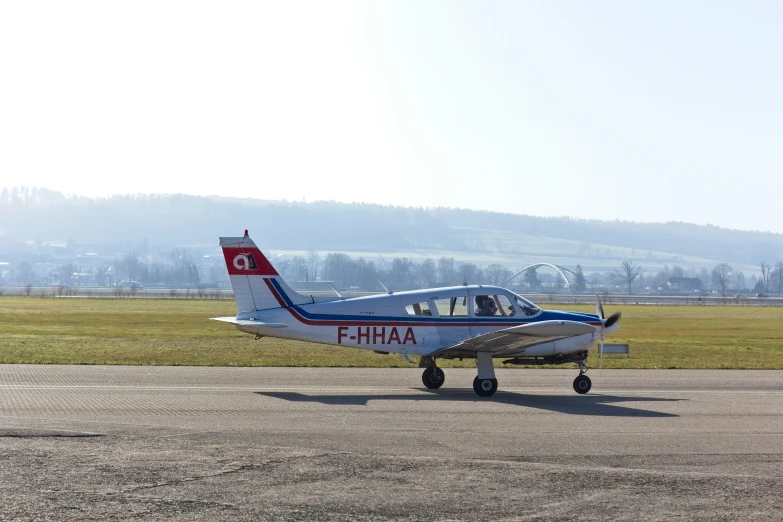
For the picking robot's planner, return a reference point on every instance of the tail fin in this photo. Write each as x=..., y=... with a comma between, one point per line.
x=256, y=283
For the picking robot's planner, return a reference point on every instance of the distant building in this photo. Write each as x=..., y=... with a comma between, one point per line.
x=684, y=284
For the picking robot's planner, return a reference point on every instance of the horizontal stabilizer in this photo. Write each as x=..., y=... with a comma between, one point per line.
x=245, y=322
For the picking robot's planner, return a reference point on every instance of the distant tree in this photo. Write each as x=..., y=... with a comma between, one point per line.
x=531, y=279
x=66, y=273
x=578, y=285
x=339, y=268
x=281, y=264
x=704, y=276
x=677, y=271
x=401, y=272
x=765, y=276
x=143, y=248
x=628, y=273
x=779, y=267
x=25, y=273
x=467, y=273
x=132, y=266
x=313, y=264
x=773, y=280
x=739, y=281
x=446, y=271
x=366, y=273
x=497, y=274
x=558, y=282
x=427, y=272
x=300, y=269
x=753, y=281
x=721, y=276
x=102, y=276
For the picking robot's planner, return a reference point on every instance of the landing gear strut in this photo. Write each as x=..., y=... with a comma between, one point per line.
x=485, y=384
x=433, y=377
x=582, y=382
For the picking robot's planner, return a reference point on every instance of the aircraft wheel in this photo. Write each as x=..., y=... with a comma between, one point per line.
x=485, y=387
x=582, y=384
x=433, y=377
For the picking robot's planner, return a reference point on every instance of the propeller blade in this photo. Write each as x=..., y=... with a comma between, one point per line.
x=599, y=309
x=601, y=353
x=612, y=319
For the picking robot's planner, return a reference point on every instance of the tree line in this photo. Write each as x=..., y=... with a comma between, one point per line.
x=40, y=215
x=722, y=278
x=401, y=273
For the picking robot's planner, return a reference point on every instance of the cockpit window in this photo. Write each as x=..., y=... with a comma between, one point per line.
x=418, y=309
x=528, y=308
x=452, y=306
x=497, y=305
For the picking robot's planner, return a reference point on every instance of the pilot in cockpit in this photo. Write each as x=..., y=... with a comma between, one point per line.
x=492, y=308
x=486, y=306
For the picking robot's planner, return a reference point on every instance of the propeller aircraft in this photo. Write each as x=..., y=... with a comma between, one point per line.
x=475, y=321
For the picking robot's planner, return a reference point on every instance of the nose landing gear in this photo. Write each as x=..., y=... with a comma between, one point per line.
x=582, y=382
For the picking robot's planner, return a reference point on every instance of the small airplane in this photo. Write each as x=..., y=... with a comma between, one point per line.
x=475, y=322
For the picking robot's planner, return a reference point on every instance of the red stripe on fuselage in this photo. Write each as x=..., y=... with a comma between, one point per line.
x=274, y=292
x=369, y=322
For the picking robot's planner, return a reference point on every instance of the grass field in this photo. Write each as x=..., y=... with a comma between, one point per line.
x=177, y=332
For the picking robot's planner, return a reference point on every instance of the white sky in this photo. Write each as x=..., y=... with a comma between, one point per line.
x=644, y=111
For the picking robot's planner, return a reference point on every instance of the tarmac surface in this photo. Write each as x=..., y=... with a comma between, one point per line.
x=184, y=443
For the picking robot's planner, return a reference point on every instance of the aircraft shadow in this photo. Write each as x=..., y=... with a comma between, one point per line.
x=593, y=405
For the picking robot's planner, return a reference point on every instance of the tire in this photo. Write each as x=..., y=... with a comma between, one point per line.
x=485, y=387
x=582, y=384
x=433, y=377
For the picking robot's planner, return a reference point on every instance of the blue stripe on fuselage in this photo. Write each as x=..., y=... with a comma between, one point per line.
x=545, y=315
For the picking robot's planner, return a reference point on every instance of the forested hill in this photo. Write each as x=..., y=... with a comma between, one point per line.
x=45, y=216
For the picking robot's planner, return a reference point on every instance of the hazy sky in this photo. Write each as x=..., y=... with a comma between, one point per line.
x=645, y=111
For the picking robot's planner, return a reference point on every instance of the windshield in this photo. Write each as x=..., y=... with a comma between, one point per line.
x=528, y=308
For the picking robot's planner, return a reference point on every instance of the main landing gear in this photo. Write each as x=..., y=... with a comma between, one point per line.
x=582, y=382
x=485, y=384
x=433, y=377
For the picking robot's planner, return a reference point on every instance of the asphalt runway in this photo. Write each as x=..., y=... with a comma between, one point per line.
x=154, y=443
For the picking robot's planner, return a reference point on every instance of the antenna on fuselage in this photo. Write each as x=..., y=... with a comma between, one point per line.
x=384, y=286
x=336, y=291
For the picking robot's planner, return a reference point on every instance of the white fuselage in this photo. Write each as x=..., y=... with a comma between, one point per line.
x=395, y=323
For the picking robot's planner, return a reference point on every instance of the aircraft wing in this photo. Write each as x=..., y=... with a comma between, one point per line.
x=244, y=322
x=512, y=340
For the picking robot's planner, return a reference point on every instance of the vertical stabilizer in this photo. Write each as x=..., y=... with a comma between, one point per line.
x=256, y=283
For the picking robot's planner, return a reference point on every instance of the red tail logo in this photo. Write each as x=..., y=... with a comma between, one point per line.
x=245, y=262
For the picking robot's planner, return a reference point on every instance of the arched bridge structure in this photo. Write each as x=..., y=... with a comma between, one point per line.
x=560, y=269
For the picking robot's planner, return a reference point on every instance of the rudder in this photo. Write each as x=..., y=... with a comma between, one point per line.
x=256, y=283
